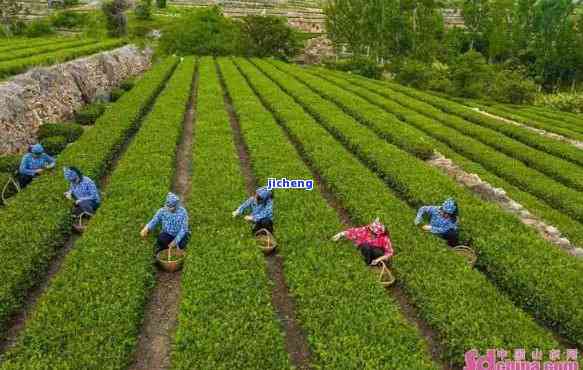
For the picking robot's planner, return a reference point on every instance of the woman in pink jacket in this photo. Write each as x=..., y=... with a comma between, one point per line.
x=373, y=240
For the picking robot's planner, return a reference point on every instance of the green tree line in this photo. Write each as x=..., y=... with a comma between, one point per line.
x=544, y=37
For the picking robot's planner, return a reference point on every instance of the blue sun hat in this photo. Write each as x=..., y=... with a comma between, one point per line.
x=264, y=193
x=449, y=206
x=37, y=149
x=172, y=200
x=70, y=174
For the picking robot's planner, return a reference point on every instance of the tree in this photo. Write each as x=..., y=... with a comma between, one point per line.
x=114, y=11
x=9, y=11
x=268, y=36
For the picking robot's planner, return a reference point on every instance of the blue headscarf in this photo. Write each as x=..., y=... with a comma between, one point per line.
x=37, y=149
x=172, y=200
x=264, y=193
x=70, y=174
x=449, y=206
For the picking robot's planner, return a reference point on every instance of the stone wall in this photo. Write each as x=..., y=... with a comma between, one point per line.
x=53, y=94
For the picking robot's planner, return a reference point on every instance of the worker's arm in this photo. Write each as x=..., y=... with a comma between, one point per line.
x=50, y=161
x=243, y=207
x=421, y=213
x=388, y=253
x=154, y=221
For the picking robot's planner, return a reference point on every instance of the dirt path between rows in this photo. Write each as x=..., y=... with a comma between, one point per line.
x=161, y=311
x=17, y=323
x=296, y=343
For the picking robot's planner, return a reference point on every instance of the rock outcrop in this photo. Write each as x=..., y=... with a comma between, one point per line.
x=53, y=94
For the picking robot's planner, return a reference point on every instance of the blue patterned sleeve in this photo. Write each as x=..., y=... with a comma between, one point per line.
x=49, y=161
x=421, y=213
x=183, y=228
x=155, y=221
x=245, y=206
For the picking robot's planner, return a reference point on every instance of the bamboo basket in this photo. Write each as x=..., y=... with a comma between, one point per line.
x=81, y=223
x=468, y=253
x=163, y=258
x=386, y=277
x=265, y=241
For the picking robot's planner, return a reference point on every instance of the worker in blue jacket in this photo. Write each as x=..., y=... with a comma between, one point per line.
x=443, y=221
x=173, y=219
x=83, y=191
x=261, y=209
x=33, y=164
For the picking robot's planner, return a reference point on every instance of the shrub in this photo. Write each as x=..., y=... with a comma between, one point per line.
x=202, y=32
x=127, y=85
x=563, y=101
x=116, y=20
x=89, y=114
x=69, y=19
x=414, y=73
x=54, y=145
x=161, y=4
x=70, y=131
x=511, y=86
x=268, y=36
x=361, y=66
x=9, y=163
x=39, y=27
x=143, y=10
x=116, y=94
x=470, y=75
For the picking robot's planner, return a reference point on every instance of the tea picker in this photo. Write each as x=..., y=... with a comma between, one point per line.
x=33, y=164
x=443, y=222
x=260, y=207
x=84, y=193
x=173, y=219
x=374, y=243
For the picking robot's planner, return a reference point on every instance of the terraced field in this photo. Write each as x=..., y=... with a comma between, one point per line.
x=19, y=55
x=217, y=128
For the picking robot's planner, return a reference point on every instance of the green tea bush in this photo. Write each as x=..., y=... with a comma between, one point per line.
x=71, y=131
x=54, y=145
x=388, y=182
x=308, y=224
x=11, y=67
x=497, y=247
x=43, y=200
x=9, y=163
x=92, y=279
x=209, y=286
x=116, y=94
x=127, y=85
x=89, y=114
